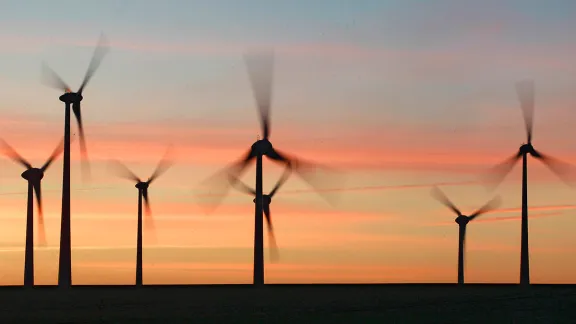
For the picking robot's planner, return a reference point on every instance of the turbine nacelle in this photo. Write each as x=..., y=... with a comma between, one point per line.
x=262, y=147
x=142, y=185
x=266, y=199
x=462, y=220
x=33, y=174
x=527, y=149
x=71, y=97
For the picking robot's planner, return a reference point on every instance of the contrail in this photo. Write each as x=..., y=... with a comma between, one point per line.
x=54, y=190
x=365, y=188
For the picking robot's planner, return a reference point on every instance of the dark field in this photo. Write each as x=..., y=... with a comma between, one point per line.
x=291, y=304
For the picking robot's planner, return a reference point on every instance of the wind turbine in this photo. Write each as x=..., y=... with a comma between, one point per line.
x=266, y=201
x=72, y=99
x=462, y=221
x=260, y=69
x=34, y=177
x=525, y=92
x=142, y=186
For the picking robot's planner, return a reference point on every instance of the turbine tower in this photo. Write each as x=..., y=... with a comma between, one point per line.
x=34, y=177
x=260, y=70
x=266, y=201
x=142, y=187
x=462, y=221
x=73, y=100
x=525, y=92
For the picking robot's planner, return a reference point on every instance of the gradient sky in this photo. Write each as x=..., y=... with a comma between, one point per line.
x=400, y=95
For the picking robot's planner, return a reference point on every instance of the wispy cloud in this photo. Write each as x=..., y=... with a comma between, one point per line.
x=534, y=208
x=406, y=152
x=516, y=218
x=553, y=211
x=358, y=189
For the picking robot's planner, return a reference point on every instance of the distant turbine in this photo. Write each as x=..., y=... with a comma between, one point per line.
x=462, y=221
x=142, y=186
x=260, y=68
x=266, y=201
x=34, y=177
x=71, y=99
x=525, y=91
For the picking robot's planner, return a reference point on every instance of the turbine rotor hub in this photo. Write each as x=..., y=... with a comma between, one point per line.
x=266, y=199
x=33, y=174
x=71, y=97
x=527, y=148
x=142, y=185
x=462, y=220
x=262, y=147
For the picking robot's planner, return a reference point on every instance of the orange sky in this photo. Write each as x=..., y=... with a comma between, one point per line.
x=394, y=96
x=376, y=232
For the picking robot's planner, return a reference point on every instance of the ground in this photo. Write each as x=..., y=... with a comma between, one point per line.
x=291, y=304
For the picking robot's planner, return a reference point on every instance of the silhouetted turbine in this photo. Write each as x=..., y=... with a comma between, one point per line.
x=462, y=221
x=266, y=201
x=142, y=186
x=260, y=70
x=34, y=177
x=74, y=99
x=525, y=91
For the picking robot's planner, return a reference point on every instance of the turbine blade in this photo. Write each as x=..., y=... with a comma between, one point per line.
x=149, y=220
x=241, y=186
x=496, y=174
x=277, y=156
x=443, y=199
x=218, y=184
x=85, y=164
x=525, y=91
x=281, y=181
x=315, y=175
x=57, y=151
x=99, y=53
x=41, y=229
x=563, y=170
x=164, y=164
x=271, y=237
x=491, y=205
x=12, y=154
x=260, y=67
x=122, y=171
x=52, y=79
x=239, y=167
x=147, y=210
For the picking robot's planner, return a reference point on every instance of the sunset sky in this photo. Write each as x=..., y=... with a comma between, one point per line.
x=398, y=95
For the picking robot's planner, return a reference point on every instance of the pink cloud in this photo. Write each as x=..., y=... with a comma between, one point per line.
x=398, y=147
x=517, y=218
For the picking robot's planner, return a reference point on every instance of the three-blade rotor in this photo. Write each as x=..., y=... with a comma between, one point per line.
x=52, y=79
x=260, y=65
x=443, y=199
x=266, y=201
x=122, y=171
x=564, y=171
x=34, y=176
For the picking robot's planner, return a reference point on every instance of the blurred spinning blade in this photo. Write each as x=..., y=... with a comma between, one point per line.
x=443, y=199
x=274, y=256
x=489, y=206
x=41, y=230
x=317, y=176
x=215, y=187
x=260, y=67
